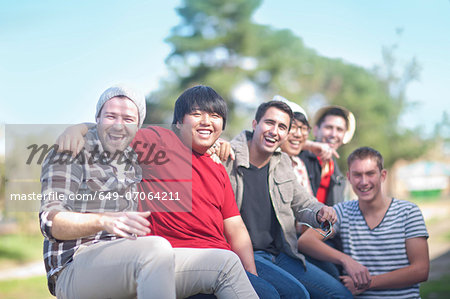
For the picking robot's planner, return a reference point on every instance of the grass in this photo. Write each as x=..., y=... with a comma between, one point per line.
x=35, y=287
x=436, y=289
x=16, y=249
x=425, y=200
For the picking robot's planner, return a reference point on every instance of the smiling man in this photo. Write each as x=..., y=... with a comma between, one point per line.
x=90, y=246
x=335, y=126
x=207, y=231
x=385, y=251
x=270, y=200
x=213, y=228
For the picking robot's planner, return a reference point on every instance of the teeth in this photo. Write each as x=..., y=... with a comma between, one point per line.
x=270, y=139
x=294, y=142
x=204, y=132
x=364, y=190
x=116, y=136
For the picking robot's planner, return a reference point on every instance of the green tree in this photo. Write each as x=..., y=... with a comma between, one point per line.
x=218, y=44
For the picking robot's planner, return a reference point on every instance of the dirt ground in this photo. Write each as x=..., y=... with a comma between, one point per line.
x=437, y=217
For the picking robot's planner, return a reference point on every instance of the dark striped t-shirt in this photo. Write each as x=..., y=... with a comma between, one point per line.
x=383, y=248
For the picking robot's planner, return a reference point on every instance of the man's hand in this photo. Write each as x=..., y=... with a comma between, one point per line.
x=322, y=150
x=221, y=151
x=348, y=282
x=358, y=273
x=326, y=213
x=126, y=224
x=72, y=139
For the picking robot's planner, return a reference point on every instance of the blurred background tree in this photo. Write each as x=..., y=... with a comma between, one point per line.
x=218, y=44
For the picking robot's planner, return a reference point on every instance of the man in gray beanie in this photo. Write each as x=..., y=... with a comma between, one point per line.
x=91, y=249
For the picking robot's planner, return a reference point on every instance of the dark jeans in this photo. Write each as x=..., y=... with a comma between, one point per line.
x=330, y=268
x=292, y=280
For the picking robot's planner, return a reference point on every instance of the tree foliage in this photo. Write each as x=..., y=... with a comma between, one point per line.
x=218, y=44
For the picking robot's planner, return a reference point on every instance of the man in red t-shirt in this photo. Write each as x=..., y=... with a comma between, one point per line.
x=210, y=222
x=192, y=202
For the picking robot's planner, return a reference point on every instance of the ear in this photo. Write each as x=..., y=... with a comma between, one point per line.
x=97, y=120
x=383, y=175
x=254, y=123
x=348, y=176
x=315, y=131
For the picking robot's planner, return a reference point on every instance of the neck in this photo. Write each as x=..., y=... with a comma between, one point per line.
x=257, y=158
x=381, y=203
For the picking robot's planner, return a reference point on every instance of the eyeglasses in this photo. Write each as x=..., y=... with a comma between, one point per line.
x=324, y=226
x=303, y=129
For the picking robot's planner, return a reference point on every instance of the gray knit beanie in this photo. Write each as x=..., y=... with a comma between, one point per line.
x=126, y=91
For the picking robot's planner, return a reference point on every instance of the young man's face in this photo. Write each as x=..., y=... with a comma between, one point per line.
x=271, y=130
x=331, y=131
x=366, y=179
x=202, y=129
x=298, y=134
x=117, y=124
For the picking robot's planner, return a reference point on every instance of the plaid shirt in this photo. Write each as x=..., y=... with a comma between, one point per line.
x=89, y=184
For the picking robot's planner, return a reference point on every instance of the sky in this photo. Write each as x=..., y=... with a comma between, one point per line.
x=57, y=57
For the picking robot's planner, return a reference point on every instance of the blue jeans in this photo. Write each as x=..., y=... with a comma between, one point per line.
x=292, y=280
x=263, y=288
x=330, y=268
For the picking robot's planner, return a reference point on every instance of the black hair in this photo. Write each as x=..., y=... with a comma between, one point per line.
x=276, y=104
x=335, y=111
x=366, y=152
x=301, y=118
x=200, y=97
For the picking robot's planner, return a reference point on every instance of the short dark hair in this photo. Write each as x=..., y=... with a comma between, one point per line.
x=366, y=152
x=200, y=97
x=335, y=112
x=276, y=104
x=301, y=118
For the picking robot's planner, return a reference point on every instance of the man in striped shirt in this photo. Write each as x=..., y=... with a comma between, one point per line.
x=385, y=250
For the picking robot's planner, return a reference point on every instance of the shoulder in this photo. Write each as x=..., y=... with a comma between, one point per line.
x=307, y=155
x=347, y=207
x=284, y=158
x=404, y=205
x=240, y=147
x=282, y=165
x=239, y=143
x=407, y=209
x=155, y=132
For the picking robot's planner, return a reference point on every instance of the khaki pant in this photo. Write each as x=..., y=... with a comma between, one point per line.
x=150, y=268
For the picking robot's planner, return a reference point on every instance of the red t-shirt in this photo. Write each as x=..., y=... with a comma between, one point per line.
x=212, y=196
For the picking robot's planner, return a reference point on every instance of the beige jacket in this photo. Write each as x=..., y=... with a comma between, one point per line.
x=287, y=195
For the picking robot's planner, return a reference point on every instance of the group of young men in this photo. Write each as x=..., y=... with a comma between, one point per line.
x=227, y=230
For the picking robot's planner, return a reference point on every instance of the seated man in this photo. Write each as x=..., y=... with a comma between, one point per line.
x=270, y=200
x=385, y=251
x=90, y=246
x=203, y=236
x=214, y=223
